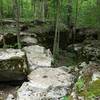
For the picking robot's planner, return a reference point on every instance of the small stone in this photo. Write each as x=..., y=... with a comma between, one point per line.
x=81, y=98
x=10, y=97
x=29, y=40
x=83, y=64
x=95, y=76
x=74, y=95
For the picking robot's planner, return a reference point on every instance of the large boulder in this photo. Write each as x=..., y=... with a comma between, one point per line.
x=13, y=65
x=38, y=56
x=45, y=84
x=11, y=39
x=91, y=50
x=28, y=40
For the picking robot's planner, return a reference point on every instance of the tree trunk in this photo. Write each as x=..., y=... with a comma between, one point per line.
x=76, y=12
x=57, y=34
x=21, y=8
x=2, y=27
x=98, y=16
x=46, y=8
x=34, y=11
x=75, y=24
x=69, y=19
x=43, y=10
x=17, y=15
x=69, y=13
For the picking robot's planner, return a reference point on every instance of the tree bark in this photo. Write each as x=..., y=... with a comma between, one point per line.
x=57, y=34
x=98, y=16
x=69, y=13
x=2, y=27
x=21, y=8
x=17, y=15
x=43, y=10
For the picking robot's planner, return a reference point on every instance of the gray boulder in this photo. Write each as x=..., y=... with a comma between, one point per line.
x=45, y=84
x=91, y=50
x=38, y=56
x=28, y=40
x=96, y=76
x=12, y=65
x=10, y=97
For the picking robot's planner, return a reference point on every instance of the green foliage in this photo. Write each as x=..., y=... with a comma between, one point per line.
x=94, y=88
x=79, y=85
x=66, y=98
x=90, y=91
x=88, y=11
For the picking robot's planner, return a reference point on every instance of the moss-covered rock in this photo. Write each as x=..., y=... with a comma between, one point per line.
x=94, y=88
x=13, y=65
x=86, y=86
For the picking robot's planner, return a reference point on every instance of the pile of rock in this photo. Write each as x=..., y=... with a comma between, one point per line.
x=44, y=82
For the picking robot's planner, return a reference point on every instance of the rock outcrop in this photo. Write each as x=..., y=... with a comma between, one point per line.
x=45, y=84
x=38, y=56
x=13, y=65
x=88, y=83
x=28, y=40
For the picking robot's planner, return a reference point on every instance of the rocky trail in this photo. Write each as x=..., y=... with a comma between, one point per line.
x=31, y=74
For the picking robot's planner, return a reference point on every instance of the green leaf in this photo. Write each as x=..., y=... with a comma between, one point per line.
x=65, y=98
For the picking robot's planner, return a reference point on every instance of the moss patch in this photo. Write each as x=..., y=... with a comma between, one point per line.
x=92, y=91
x=95, y=88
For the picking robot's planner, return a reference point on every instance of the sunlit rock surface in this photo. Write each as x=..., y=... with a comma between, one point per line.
x=38, y=56
x=96, y=76
x=28, y=40
x=45, y=84
x=10, y=97
x=12, y=65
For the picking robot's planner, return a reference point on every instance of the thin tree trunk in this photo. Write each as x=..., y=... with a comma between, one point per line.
x=32, y=7
x=76, y=13
x=17, y=14
x=13, y=9
x=1, y=17
x=21, y=8
x=39, y=9
x=43, y=10
x=34, y=14
x=46, y=8
x=56, y=38
x=75, y=23
x=69, y=13
x=35, y=11
x=98, y=16
x=69, y=19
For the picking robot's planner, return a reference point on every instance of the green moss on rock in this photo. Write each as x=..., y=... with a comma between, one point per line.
x=92, y=91
x=95, y=88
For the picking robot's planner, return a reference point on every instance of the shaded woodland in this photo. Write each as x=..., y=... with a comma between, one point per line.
x=63, y=34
